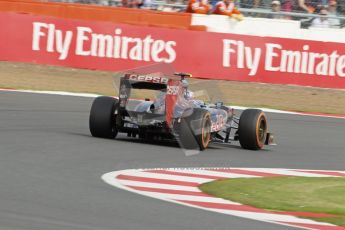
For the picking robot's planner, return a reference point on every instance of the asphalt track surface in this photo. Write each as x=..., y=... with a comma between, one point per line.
x=50, y=168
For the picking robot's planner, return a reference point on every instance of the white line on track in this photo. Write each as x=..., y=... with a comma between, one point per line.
x=63, y=93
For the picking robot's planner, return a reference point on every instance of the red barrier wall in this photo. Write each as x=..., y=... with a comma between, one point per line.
x=108, y=46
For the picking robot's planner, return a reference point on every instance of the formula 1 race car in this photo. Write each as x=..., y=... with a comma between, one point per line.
x=174, y=114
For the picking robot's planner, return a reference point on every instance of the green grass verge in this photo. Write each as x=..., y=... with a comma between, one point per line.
x=305, y=194
x=333, y=220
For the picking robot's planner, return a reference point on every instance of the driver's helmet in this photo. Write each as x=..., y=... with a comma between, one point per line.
x=185, y=84
x=187, y=93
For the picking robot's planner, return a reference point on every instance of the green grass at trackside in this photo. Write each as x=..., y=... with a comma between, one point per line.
x=305, y=194
x=337, y=221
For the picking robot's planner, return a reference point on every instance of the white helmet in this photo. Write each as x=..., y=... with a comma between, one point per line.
x=185, y=83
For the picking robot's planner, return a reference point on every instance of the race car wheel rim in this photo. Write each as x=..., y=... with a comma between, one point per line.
x=205, y=132
x=262, y=129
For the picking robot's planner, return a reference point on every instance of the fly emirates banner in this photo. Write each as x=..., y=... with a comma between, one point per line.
x=114, y=47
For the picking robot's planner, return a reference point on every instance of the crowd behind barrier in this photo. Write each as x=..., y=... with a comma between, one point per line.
x=311, y=13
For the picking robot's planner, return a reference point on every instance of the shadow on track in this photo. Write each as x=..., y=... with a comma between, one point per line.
x=166, y=143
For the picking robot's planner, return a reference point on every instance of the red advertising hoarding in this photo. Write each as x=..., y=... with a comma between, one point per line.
x=108, y=46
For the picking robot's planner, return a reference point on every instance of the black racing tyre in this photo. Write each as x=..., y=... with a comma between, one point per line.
x=195, y=130
x=102, y=118
x=252, y=129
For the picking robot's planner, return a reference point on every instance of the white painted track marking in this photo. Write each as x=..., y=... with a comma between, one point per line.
x=63, y=93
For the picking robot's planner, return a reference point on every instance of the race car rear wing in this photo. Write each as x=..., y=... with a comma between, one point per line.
x=156, y=77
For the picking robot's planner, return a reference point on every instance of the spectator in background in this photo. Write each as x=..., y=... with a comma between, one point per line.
x=147, y=4
x=227, y=7
x=198, y=7
x=213, y=3
x=332, y=11
x=275, y=7
x=131, y=3
x=308, y=6
x=321, y=22
x=287, y=6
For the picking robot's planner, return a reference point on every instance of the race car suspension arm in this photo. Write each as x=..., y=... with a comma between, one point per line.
x=224, y=135
x=229, y=127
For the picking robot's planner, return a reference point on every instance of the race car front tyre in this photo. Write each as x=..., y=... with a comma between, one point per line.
x=195, y=130
x=102, y=117
x=252, y=129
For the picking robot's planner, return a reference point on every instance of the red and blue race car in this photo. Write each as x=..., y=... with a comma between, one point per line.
x=174, y=114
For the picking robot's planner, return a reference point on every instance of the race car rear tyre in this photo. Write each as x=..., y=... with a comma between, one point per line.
x=195, y=130
x=252, y=129
x=102, y=117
